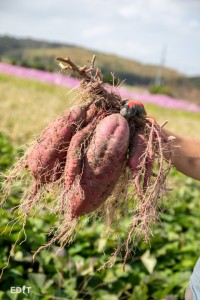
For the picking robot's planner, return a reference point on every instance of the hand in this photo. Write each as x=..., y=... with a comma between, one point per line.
x=131, y=108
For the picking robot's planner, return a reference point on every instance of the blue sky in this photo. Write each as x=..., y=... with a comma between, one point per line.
x=137, y=29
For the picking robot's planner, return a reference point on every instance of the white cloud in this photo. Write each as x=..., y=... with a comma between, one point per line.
x=194, y=25
x=136, y=29
x=96, y=32
x=129, y=11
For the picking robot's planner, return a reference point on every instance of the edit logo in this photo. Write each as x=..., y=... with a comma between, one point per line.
x=17, y=289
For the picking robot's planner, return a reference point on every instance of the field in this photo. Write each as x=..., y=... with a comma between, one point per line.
x=158, y=271
x=35, y=104
x=41, y=55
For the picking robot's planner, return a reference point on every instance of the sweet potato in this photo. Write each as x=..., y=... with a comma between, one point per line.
x=103, y=163
x=91, y=113
x=47, y=158
x=73, y=167
x=138, y=151
x=94, y=112
x=96, y=162
x=148, y=169
x=137, y=148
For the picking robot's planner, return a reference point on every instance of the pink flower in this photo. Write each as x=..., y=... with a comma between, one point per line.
x=40, y=75
x=70, y=82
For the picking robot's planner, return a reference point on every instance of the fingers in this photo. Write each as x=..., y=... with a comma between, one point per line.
x=132, y=108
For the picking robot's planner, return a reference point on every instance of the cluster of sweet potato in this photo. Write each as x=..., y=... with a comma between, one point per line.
x=86, y=150
x=88, y=146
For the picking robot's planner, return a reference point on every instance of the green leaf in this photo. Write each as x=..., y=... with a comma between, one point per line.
x=1, y=295
x=149, y=261
x=139, y=293
x=12, y=296
x=110, y=276
x=38, y=280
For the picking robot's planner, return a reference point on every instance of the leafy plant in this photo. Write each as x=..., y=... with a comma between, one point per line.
x=158, y=271
x=163, y=90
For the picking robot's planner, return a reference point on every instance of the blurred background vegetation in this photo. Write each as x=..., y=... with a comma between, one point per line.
x=160, y=270
x=40, y=54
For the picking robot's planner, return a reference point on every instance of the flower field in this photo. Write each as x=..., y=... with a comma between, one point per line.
x=70, y=82
x=39, y=75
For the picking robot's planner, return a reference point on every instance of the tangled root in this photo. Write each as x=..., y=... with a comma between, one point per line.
x=143, y=203
x=135, y=198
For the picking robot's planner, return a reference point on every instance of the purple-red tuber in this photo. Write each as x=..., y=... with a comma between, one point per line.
x=92, y=158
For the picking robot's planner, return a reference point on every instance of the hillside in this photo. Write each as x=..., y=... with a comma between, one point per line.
x=42, y=54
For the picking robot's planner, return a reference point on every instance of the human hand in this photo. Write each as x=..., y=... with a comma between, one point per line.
x=132, y=108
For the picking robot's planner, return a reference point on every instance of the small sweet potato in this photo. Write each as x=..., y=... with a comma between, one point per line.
x=94, y=112
x=75, y=153
x=91, y=113
x=137, y=148
x=47, y=158
x=138, y=151
x=102, y=164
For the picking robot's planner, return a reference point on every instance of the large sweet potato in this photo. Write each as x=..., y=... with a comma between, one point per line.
x=102, y=164
x=47, y=158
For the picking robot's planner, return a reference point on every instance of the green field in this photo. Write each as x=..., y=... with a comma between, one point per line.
x=26, y=107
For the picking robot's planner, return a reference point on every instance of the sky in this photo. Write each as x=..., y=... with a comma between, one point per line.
x=149, y=31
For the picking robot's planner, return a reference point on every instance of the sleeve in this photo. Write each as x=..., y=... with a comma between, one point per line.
x=195, y=281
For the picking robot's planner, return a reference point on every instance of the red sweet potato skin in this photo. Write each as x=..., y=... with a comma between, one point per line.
x=103, y=163
x=47, y=158
x=91, y=113
x=137, y=148
x=95, y=112
x=73, y=166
